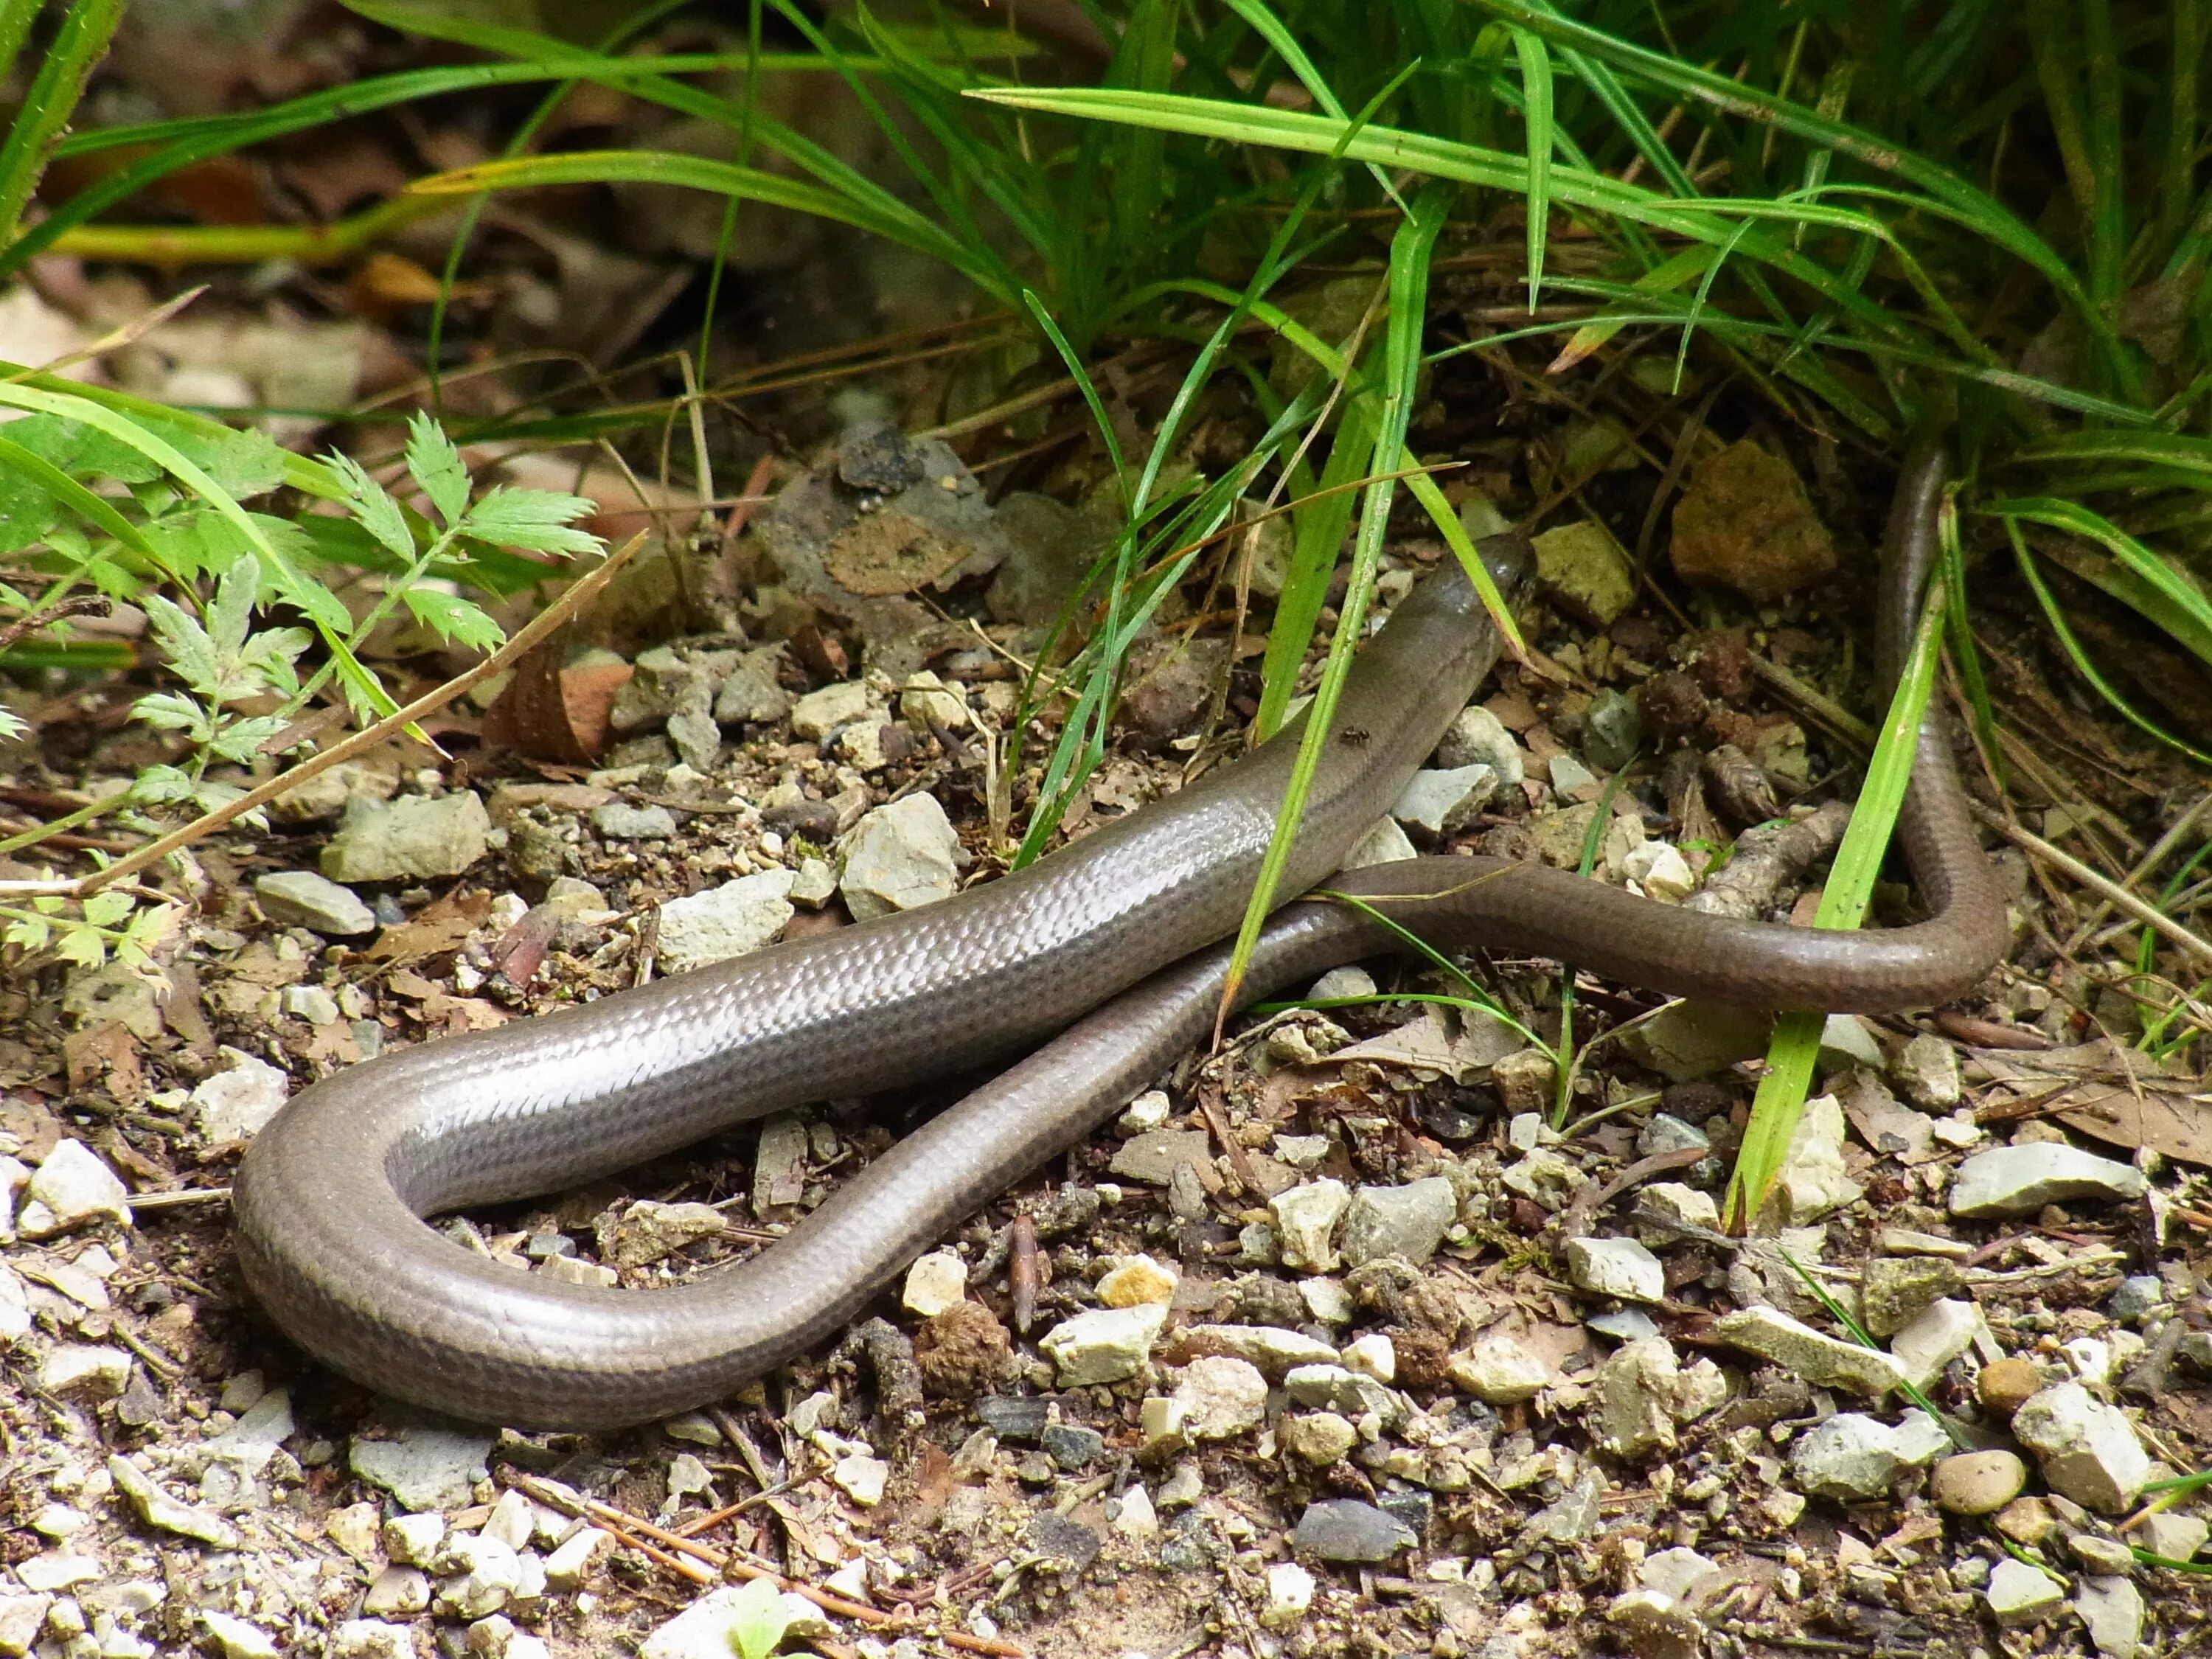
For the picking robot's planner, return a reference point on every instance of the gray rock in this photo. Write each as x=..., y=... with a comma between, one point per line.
x=1615, y=730
x=1690, y=1040
x=1274, y=1351
x=1050, y=546
x=1894, y=1290
x=1582, y=567
x=1443, y=803
x=2111, y=1611
x=2088, y=1449
x=1305, y=1222
x=2016, y=1180
x=1345, y=1529
x=1641, y=1391
x=1846, y=1044
x=1616, y=1266
x=1813, y=1180
x=158, y=1509
x=1575, y=1514
x=1851, y=1456
x=233, y=1104
x=1407, y=1222
x=1478, y=738
x=1666, y=1133
x=372, y=1638
x=1945, y=1330
x=1071, y=1446
x=236, y=1637
x=1221, y=1397
x=1823, y=1361
x=739, y=916
x=819, y=713
x=1154, y=1156
x=1385, y=843
x=1339, y=1388
x=87, y=1370
x=900, y=857
x=2174, y=1537
x=618, y=820
x=300, y=898
x=2021, y=1595
x=751, y=694
x=649, y=1230
x=1103, y=1345
x=1320, y=1438
x=2140, y=1295
x=423, y=1468
x=326, y=794
x=412, y=837
x=1928, y=1070
x=2107, y=1556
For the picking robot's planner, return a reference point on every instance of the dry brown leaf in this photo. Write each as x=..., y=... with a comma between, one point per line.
x=438, y=927
x=2118, y=1095
x=555, y=713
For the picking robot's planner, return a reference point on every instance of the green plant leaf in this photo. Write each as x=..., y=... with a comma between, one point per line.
x=380, y=515
x=760, y=1619
x=453, y=618
x=437, y=468
x=535, y=520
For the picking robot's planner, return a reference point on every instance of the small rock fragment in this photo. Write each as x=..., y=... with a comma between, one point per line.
x=1444, y=803
x=415, y=836
x=2006, y=1385
x=1746, y=522
x=1135, y=1280
x=1103, y=1345
x=85, y=1370
x=1305, y=1221
x=1618, y=1267
x=900, y=857
x=158, y=1509
x=2016, y=1180
x=934, y=1283
x=1222, y=1397
x=1586, y=570
x=1318, y=1438
x=2111, y=1611
x=1894, y=1290
x=423, y=1468
x=1928, y=1069
x=233, y=1104
x=1852, y=1456
x=237, y=1638
x=1823, y=1361
x=300, y=898
x=1478, y=738
x=2021, y=1594
x=1275, y=1350
x=2088, y=1449
x=1407, y=1222
x=571, y=1558
x=1345, y=1529
x=818, y=714
x=2172, y=1537
x=1289, y=1593
x=739, y=916
x=1499, y=1369
x=1944, y=1330
x=619, y=820
x=71, y=1187
x=1813, y=1180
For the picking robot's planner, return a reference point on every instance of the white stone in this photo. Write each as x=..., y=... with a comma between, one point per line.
x=233, y=1104
x=482, y=1574
x=1852, y=1456
x=1305, y=1222
x=1929, y=1070
x=15, y=1308
x=572, y=1558
x=1372, y=1355
x=22, y=1617
x=2016, y=1180
x=735, y=918
x=2021, y=1594
x=1813, y=1180
x=818, y=714
x=1326, y=1300
x=925, y=702
x=935, y=1282
x=1443, y=803
x=372, y=1638
x=1349, y=980
x=1222, y=1397
x=900, y=857
x=1822, y=1360
x=863, y=1478
x=2088, y=1449
x=1407, y=1222
x=1659, y=868
x=94, y=1370
x=1103, y=1345
x=1478, y=738
x=70, y=1186
x=1616, y=1266
x=513, y=1519
x=1289, y=1593
x=1847, y=1042
x=708, y=1628
x=2174, y=1537
x=1944, y=1330
x=413, y=1539
x=159, y=1510
x=1676, y=1573
x=1134, y=1518
x=1147, y=1112
x=1272, y=1349
x=1499, y=1369
x=404, y=1591
x=2111, y=1610
x=1386, y=843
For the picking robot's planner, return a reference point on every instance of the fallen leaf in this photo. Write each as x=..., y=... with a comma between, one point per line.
x=105, y=1054
x=555, y=713
x=441, y=926
x=2119, y=1095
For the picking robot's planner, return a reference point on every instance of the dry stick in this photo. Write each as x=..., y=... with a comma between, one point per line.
x=2144, y=865
x=635, y=1528
x=540, y=628
x=2103, y=886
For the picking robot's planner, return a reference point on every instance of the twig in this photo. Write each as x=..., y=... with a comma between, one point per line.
x=76, y=605
x=723, y=1561
x=545, y=622
x=2103, y=886
x=142, y=1202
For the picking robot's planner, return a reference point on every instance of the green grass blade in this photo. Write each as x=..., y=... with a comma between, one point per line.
x=1536, y=114
x=79, y=43
x=2055, y=616
x=1796, y=1041
x=1272, y=29
x=95, y=509
x=1410, y=251
x=2175, y=604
